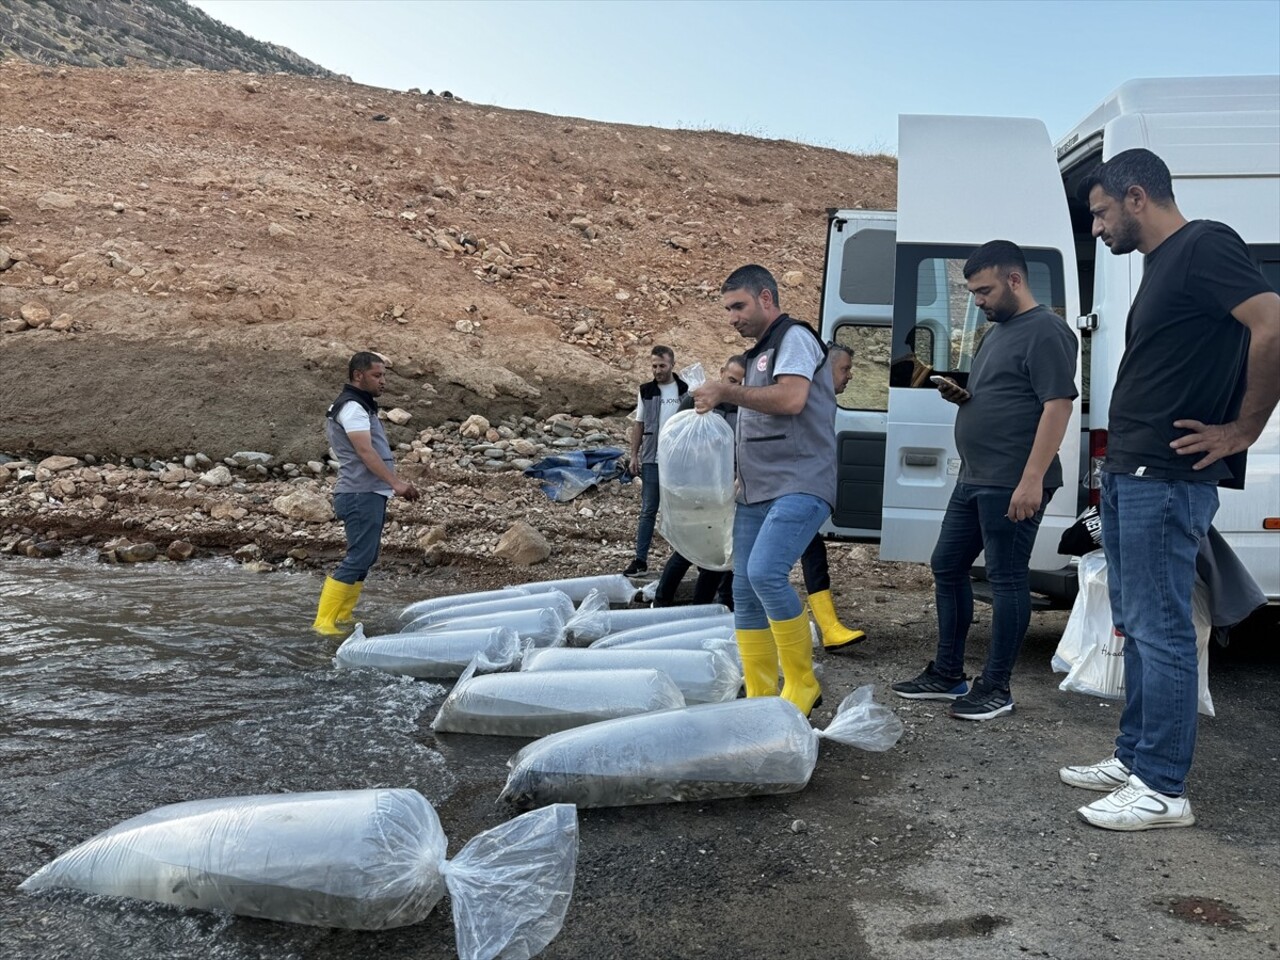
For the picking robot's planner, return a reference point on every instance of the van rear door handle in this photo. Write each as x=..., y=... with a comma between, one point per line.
x=920, y=460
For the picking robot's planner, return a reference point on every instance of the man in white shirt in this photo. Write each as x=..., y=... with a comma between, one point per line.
x=658, y=400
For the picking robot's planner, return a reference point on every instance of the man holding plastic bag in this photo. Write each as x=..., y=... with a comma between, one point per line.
x=786, y=469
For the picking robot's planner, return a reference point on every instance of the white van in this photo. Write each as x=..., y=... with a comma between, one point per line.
x=893, y=290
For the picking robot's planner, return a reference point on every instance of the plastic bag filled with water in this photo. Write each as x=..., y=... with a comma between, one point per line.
x=594, y=619
x=703, y=676
x=441, y=655
x=418, y=608
x=614, y=587
x=696, y=476
x=741, y=748
x=704, y=628
x=553, y=600
x=543, y=628
x=356, y=859
x=536, y=704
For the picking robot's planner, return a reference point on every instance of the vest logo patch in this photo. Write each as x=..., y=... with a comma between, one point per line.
x=762, y=362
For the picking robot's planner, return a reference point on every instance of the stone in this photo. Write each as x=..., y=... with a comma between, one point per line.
x=6, y=259
x=44, y=550
x=299, y=554
x=224, y=510
x=219, y=476
x=432, y=535
x=523, y=545
x=523, y=447
x=249, y=458
x=681, y=243
x=58, y=464
x=474, y=427
x=137, y=552
x=35, y=313
x=305, y=505
x=180, y=550
x=62, y=323
x=173, y=474
x=792, y=278
x=190, y=462
x=15, y=325
x=276, y=230
x=399, y=416
x=259, y=566
x=56, y=201
x=250, y=551
x=315, y=466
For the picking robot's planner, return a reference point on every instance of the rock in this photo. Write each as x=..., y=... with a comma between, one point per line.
x=180, y=550
x=799, y=826
x=56, y=201
x=303, y=505
x=523, y=545
x=5, y=215
x=681, y=243
x=173, y=474
x=432, y=535
x=16, y=325
x=299, y=554
x=250, y=458
x=219, y=476
x=224, y=510
x=399, y=416
x=474, y=427
x=315, y=466
x=6, y=259
x=35, y=313
x=137, y=552
x=276, y=230
x=792, y=278
x=44, y=550
x=259, y=566
x=58, y=464
x=62, y=323
x=190, y=462
x=250, y=551
x=523, y=447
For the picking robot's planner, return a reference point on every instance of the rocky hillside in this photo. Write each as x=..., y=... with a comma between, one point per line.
x=188, y=258
x=119, y=33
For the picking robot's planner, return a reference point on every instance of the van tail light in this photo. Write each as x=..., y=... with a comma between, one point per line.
x=1097, y=453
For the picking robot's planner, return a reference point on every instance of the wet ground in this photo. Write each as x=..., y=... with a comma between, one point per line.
x=124, y=688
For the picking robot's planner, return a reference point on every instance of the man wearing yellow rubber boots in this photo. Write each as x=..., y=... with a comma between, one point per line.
x=786, y=451
x=366, y=481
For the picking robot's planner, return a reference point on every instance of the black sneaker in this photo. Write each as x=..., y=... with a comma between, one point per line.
x=637, y=566
x=932, y=686
x=983, y=702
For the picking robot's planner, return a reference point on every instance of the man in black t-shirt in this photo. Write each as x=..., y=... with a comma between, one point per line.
x=1195, y=388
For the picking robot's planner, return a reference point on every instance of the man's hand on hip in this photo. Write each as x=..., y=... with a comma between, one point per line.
x=1215, y=440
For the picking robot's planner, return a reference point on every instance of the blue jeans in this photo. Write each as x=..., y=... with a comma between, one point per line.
x=362, y=514
x=1151, y=531
x=648, y=509
x=768, y=538
x=976, y=520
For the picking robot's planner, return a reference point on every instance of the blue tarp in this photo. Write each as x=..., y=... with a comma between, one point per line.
x=567, y=475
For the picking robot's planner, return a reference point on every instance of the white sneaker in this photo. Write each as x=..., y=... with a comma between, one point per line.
x=1135, y=806
x=1104, y=777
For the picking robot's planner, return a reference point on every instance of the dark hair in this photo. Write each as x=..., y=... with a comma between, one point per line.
x=362, y=361
x=754, y=279
x=1004, y=255
x=661, y=351
x=840, y=348
x=1131, y=168
x=738, y=360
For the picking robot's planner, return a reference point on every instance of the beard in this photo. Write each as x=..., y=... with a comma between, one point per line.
x=1006, y=308
x=1126, y=235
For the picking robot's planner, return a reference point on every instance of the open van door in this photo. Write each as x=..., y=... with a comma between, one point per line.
x=961, y=182
x=857, y=311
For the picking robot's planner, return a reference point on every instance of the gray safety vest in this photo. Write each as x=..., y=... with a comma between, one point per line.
x=651, y=405
x=778, y=455
x=353, y=475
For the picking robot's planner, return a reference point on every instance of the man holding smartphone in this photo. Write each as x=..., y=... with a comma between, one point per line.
x=1009, y=427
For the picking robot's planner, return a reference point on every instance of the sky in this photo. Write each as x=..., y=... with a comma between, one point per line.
x=823, y=72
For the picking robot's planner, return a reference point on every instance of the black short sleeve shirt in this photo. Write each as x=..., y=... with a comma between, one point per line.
x=1185, y=354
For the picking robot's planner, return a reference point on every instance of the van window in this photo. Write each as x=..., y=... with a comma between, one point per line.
x=869, y=387
x=937, y=327
x=866, y=268
x=1267, y=256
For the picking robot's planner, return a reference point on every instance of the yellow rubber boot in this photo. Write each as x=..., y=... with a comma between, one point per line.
x=795, y=651
x=332, y=596
x=834, y=633
x=347, y=609
x=759, y=662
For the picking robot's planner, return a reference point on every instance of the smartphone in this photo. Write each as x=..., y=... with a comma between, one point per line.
x=938, y=381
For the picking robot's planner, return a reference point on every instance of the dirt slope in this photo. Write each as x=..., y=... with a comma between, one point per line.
x=215, y=245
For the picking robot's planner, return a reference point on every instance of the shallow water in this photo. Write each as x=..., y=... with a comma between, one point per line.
x=123, y=688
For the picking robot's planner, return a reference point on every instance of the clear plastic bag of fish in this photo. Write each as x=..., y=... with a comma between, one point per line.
x=418, y=608
x=551, y=600
x=536, y=704
x=703, y=676
x=614, y=587
x=542, y=628
x=741, y=748
x=720, y=627
x=696, y=471
x=691, y=641
x=354, y=859
x=594, y=619
x=441, y=655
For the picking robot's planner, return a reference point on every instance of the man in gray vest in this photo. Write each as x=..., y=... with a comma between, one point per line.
x=366, y=481
x=786, y=448
x=658, y=400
